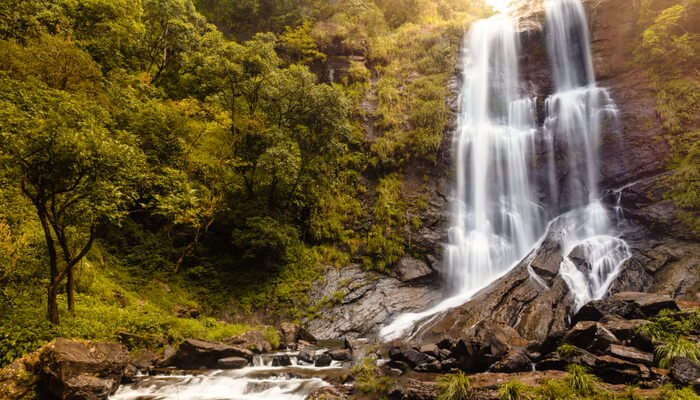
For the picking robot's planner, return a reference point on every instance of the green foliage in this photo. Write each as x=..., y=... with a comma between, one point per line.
x=670, y=34
x=580, y=381
x=455, y=387
x=670, y=393
x=299, y=45
x=666, y=352
x=384, y=242
x=668, y=327
x=514, y=391
x=368, y=378
x=566, y=350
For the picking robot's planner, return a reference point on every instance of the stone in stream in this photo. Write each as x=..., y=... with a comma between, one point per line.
x=307, y=356
x=232, y=363
x=323, y=360
x=340, y=355
x=281, y=360
x=196, y=354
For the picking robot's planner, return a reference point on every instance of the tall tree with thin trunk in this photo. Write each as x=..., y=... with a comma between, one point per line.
x=76, y=172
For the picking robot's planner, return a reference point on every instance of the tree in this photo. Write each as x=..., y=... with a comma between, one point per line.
x=77, y=173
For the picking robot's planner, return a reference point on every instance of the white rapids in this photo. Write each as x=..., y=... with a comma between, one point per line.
x=259, y=382
x=498, y=213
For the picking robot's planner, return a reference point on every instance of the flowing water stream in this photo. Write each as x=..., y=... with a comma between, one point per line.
x=497, y=217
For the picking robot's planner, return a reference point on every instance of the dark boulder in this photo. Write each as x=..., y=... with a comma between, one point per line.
x=340, y=355
x=232, y=363
x=617, y=371
x=516, y=360
x=323, y=360
x=281, y=360
x=684, y=371
x=196, y=354
x=82, y=370
x=591, y=336
x=307, y=356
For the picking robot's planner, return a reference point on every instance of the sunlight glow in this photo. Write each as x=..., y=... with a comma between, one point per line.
x=498, y=5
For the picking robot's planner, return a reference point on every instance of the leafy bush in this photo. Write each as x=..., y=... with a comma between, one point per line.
x=566, y=350
x=667, y=327
x=455, y=387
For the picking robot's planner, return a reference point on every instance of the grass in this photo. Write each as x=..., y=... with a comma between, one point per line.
x=455, y=387
x=679, y=347
x=514, y=391
x=368, y=379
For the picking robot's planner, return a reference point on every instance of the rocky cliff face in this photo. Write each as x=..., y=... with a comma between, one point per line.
x=665, y=256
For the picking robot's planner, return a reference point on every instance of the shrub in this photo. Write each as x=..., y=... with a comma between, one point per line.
x=566, y=350
x=666, y=352
x=455, y=387
x=670, y=393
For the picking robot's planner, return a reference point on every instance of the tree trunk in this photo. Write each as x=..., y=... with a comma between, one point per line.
x=53, y=305
x=70, y=285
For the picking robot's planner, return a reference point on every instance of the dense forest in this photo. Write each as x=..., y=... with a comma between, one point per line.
x=179, y=169
x=156, y=165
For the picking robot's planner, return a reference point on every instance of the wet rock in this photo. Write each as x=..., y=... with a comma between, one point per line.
x=307, y=355
x=684, y=371
x=412, y=357
x=409, y=269
x=515, y=361
x=547, y=261
x=631, y=354
x=340, y=355
x=591, y=336
x=432, y=366
x=323, y=360
x=82, y=370
x=643, y=341
x=369, y=300
x=195, y=354
x=253, y=340
x=232, y=363
x=281, y=360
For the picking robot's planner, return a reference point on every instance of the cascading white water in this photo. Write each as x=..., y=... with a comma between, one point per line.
x=496, y=217
x=575, y=113
x=262, y=381
x=495, y=213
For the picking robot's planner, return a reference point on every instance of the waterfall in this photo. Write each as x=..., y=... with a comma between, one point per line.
x=575, y=114
x=497, y=217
